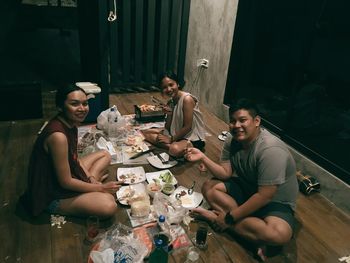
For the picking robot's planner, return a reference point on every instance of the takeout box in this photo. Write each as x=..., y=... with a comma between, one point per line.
x=151, y=115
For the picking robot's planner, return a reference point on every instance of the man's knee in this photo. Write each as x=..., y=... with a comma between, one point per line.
x=277, y=235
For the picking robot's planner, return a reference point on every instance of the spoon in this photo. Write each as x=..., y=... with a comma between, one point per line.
x=190, y=190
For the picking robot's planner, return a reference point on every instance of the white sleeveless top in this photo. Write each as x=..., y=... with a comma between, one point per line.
x=198, y=131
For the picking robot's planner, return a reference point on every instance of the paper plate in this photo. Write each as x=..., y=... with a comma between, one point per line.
x=188, y=201
x=132, y=175
x=123, y=192
x=157, y=175
x=156, y=162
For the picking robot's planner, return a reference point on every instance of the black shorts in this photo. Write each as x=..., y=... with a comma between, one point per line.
x=198, y=144
x=280, y=210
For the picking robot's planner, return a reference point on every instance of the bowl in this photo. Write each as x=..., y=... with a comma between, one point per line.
x=153, y=188
x=168, y=188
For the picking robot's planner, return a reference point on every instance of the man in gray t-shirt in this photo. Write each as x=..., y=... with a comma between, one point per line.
x=254, y=188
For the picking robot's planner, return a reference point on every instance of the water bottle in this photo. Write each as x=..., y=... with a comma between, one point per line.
x=164, y=234
x=112, y=124
x=158, y=255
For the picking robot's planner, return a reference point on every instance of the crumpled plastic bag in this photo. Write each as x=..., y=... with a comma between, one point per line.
x=171, y=209
x=126, y=248
x=105, y=256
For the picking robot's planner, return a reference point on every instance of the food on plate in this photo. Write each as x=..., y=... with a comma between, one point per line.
x=166, y=177
x=129, y=177
x=168, y=188
x=186, y=200
x=183, y=192
x=149, y=107
x=127, y=194
x=153, y=188
x=134, y=149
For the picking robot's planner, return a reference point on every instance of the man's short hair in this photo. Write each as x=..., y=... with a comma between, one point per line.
x=244, y=104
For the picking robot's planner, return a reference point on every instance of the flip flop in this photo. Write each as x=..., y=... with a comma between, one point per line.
x=222, y=137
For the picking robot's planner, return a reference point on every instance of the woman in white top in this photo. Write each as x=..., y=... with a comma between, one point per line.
x=184, y=125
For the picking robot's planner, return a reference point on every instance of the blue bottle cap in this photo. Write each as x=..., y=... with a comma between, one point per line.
x=158, y=242
x=161, y=218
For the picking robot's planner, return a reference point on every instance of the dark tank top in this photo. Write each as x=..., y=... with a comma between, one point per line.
x=43, y=185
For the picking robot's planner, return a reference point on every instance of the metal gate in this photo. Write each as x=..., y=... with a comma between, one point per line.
x=147, y=38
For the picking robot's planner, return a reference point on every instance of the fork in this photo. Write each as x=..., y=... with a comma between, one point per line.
x=160, y=157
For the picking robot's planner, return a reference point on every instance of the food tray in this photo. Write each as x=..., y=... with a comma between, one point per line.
x=145, y=116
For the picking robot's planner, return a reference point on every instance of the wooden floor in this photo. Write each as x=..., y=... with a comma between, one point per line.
x=323, y=231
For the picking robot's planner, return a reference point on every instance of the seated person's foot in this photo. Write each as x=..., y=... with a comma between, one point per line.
x=203, y=214
x=209, y=216
x=264, y=252
x=202, y=167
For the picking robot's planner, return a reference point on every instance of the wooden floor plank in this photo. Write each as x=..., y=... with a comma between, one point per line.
x=323, y=231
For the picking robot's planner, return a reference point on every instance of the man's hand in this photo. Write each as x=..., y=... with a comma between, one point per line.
x=220, y=220
x=193, y=154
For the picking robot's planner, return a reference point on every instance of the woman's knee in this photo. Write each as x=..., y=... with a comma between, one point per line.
x=108, y=209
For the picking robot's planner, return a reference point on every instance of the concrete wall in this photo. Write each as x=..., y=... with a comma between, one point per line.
x=210, y=34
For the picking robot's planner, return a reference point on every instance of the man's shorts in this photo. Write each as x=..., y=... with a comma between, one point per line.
x=280, y=210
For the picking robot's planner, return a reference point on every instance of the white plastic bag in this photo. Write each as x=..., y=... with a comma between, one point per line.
x=102, y=119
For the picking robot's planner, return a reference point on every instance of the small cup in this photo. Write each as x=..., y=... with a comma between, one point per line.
x=201, y=235
x=168, y=188
x=192, y=255
x=92, y=225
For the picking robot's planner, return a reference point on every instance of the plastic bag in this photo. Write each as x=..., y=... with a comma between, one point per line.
x=126, y=247
x=102, y=119
x=171, y=209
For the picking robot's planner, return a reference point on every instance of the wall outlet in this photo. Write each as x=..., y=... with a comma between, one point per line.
x=203, y=62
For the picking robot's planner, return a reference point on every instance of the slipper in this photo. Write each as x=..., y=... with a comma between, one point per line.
x=222, y=137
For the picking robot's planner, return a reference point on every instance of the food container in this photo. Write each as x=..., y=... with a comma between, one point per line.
x=153, y=188
x=168, y=188
x=148, y=113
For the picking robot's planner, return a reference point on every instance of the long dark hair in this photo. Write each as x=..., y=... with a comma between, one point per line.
x=62, y=93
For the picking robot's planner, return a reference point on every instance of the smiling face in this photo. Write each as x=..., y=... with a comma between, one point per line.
x=75, y=107
x=169, y=87
x=243, y=126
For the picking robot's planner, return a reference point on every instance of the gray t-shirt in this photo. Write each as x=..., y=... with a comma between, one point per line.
x=266, y=162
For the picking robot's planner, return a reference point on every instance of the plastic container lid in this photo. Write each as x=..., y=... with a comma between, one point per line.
x=89, y=87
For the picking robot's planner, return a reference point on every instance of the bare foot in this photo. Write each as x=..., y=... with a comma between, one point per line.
x=205, y=214
x=202, y=167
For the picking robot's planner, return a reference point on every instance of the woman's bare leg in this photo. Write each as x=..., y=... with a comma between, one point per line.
x=96, y=164
x=99, y=204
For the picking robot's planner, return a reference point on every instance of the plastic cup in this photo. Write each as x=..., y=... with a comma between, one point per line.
x=201, y=235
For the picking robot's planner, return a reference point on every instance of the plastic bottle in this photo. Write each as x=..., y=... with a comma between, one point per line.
x=112, y=124
x=163, y=224
x=158, y=255
x=164, y=234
